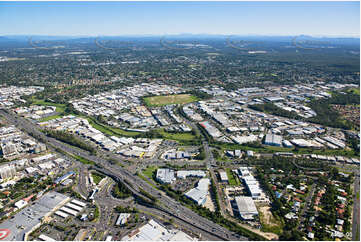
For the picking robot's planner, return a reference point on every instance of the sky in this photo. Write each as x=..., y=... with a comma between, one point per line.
x=166, y=18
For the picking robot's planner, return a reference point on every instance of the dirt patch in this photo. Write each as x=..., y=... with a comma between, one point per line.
x=267, y=216
x=209, y=204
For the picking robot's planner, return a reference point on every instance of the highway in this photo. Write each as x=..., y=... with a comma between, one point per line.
x=167, y=204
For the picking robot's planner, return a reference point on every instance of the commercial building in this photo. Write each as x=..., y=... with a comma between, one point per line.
x=273, y=140
x=199, y=193
x=190, y=173
x=246, y=207
x=154, y=231
x=30, y=218
x=74, y=207
x=287, y=144
x=76, y=202
x=244, y=139
x=7, y=171
x=44, y=237
x=252, y=186
x=165, y=176
x=69, y=211
x=223, y=176
x=61, y=214
x=211, y=130
x=274, y=99
x=64, y=177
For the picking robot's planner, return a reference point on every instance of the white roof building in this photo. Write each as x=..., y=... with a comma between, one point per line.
x=153, y=231
x=20, y=204
x=246, y=207
x=76, y=202
x=223, y=176
x=165, y=176
x=192, y=173
x=199, y=193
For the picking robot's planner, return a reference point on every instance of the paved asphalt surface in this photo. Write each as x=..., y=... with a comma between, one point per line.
x=166, y=204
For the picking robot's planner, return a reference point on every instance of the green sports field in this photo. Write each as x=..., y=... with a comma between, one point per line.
x=169, y=99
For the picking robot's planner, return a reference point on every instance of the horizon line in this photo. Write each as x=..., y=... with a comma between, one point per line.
x=354, y=35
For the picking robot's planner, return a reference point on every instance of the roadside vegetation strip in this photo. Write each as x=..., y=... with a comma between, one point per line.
x=215, y=217
x=156, y=101
x=49, y=118
x=233, y=181
x=70, y=139
x=82, y=159
x=146, y=180
x=273, y=149
x=110, y=130
x=149, y=171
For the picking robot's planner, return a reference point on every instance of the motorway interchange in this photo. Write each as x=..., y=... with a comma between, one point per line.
x=166, y=208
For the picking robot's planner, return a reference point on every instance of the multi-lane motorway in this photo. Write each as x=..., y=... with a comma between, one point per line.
x=195, y=222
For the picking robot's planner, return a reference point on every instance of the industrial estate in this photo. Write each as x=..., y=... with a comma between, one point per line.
x=188, y=138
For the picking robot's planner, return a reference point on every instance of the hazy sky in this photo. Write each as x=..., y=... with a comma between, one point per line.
x=128, y=18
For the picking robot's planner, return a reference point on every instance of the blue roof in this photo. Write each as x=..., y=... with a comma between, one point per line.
x=59, y=179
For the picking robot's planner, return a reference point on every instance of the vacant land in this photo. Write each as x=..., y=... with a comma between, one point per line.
x=268, y=221
x=170, y=99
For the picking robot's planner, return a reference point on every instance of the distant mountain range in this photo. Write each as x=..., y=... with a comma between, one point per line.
x=335, y=40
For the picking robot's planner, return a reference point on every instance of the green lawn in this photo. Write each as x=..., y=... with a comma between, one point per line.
x=149, y=171
x=110, y=130
x=60, y=108
x=177, y=136
x=146, y=180
x=355, y=91
x=157, y=101
x=50, y=118
x=233, y=181
x=97, y=177
x=83, y=160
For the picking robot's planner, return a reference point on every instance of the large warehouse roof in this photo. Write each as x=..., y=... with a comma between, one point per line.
x=246, y=206
x=24, y=221
x=153, y=231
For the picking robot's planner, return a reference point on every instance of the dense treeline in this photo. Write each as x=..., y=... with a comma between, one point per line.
x=327, y=116
x=155, y=134
x=201, y=155
x=121, y=191
x=200, y=94
x=70, y=139
x=216, y=217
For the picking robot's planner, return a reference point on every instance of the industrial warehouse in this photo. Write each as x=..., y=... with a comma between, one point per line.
x=24, y=222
